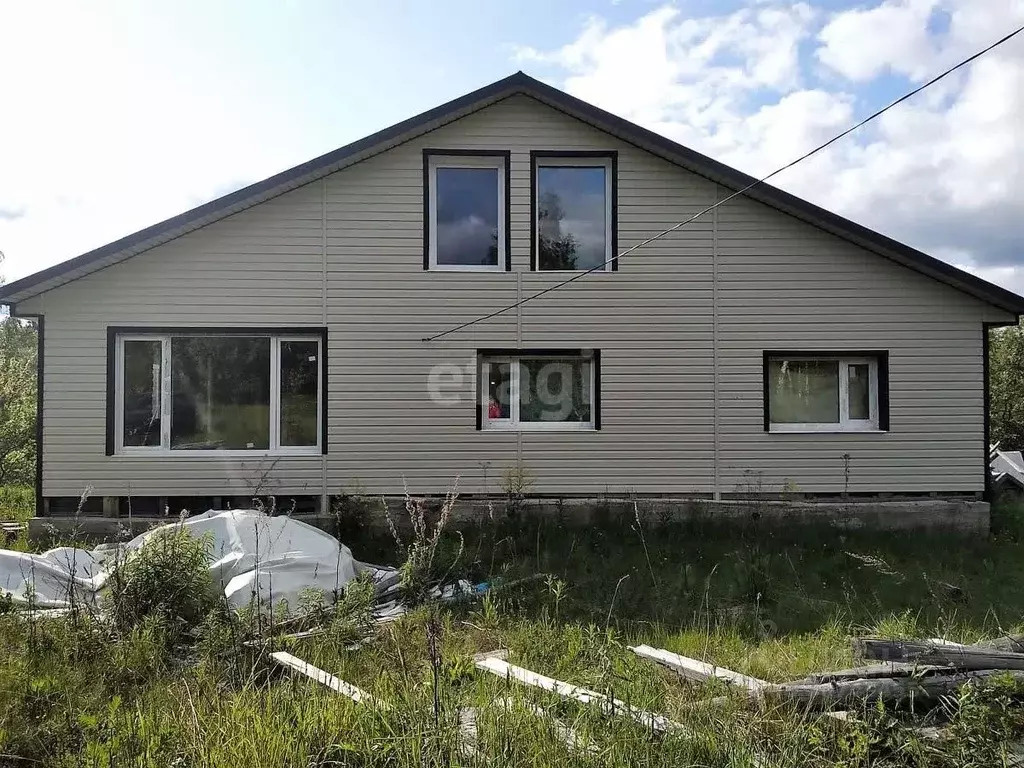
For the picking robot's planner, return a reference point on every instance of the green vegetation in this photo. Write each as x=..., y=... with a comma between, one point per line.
x=17, y=401
x=775, y=603
x=17, y=503
x=1006, y=354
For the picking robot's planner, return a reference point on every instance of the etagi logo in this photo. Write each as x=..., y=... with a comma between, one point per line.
x=534, y=389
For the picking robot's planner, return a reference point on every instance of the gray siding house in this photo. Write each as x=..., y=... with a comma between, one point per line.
x=279, y=339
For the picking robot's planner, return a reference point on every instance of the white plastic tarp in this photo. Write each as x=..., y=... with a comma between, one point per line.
x=251, y=554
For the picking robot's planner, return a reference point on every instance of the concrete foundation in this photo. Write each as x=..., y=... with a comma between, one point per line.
x=955, y=515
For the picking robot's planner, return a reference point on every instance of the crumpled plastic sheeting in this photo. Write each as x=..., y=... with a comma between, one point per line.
x=252, y=554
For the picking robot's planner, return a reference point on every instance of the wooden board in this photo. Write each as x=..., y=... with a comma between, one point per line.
x=692, y=669
x=611, y=706
x=325, y=678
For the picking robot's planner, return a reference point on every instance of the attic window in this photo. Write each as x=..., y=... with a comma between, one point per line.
x=466, y=210
x=574, y=210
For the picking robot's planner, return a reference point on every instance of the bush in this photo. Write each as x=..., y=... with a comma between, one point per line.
x=17, y=502
x=419, y=572
x=167, y=578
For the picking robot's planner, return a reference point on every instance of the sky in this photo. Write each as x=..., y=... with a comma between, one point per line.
x=117, y=114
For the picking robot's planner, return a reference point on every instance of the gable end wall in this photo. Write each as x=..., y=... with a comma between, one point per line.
x=685, y=318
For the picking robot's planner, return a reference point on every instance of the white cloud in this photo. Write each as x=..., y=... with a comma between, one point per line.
x=101, y=135
x=943, y=172
x=898, y=35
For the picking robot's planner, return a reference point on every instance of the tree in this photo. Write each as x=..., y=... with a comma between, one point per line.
x=557, y=251
x=1006, y=360
x=17, y=401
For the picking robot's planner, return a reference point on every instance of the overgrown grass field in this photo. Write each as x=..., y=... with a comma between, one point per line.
x=775, y=603
x=17, y=503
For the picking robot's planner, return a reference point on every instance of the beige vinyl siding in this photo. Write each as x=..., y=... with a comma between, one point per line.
x=628, y=315
x=262, y=267
x=350, y=247
x=786, y=286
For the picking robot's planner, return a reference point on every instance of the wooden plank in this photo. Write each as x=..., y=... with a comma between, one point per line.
x=967, y=657
x=609, y=705
x=945, y=643
x=692, y=669
x=870, y=672
x=324, y=678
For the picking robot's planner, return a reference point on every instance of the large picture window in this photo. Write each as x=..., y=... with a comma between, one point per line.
x=543, y=390
x=466, y=210
x=574, y=211
x=808, y=392
x=183, y=392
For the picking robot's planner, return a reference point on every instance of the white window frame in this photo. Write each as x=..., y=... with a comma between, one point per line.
x=845, y=423
x=164, y=449
x=548, y=161
x=513, y=424
x=435, y=162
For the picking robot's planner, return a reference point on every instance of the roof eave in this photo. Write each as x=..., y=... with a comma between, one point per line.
x=519, y=82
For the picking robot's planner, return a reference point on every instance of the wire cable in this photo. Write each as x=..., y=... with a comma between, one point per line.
x=735, y=194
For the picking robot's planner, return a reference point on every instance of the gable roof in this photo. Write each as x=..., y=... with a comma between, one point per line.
x=519, y=83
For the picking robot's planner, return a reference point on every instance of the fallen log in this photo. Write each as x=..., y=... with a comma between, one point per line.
x=886, y=689
x=870, y=672
x=966, y=657
x=1011, y=643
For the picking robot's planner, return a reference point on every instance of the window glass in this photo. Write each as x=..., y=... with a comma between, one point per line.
x=804, y=392
x=859, y=390
x=143, y=372
x=499, y=385
x=467, y=213
x=554, y=390
x=220, y=389
x=572, y=226
x=299, y=385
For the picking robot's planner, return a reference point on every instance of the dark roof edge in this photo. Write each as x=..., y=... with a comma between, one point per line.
x=683, y=156
x=283, y=179
x=784, y=201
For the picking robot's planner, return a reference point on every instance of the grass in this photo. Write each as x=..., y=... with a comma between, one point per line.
x=17, y=503
x=771, y=602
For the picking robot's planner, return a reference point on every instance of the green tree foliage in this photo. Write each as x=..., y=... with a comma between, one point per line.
x=557, y=250
x=1006, y=350
x=17, y=401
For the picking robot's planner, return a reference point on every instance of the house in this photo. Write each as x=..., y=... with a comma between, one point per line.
x=1007, y=471
x=283, y=339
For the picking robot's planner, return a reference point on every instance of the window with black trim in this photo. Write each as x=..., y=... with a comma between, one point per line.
x=223, y=392
x=539, y=390
x=574, y=210
x=466, y=210
x=826, y=392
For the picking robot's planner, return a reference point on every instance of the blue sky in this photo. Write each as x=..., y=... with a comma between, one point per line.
x=119, y=114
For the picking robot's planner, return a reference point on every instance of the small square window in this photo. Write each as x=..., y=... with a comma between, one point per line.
x=574, y=211
x=539, y=391
x=466, y=211
x=825, y=393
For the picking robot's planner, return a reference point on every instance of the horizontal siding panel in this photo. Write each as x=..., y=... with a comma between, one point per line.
x=666, y=332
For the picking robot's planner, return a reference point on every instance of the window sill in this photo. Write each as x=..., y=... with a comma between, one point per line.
x=521, y=428
x=605, y=271
x=824, y=431
x=454, y=268
x=161, y=454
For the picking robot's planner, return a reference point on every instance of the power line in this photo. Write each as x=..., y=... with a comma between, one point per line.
x=735, y=194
